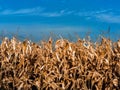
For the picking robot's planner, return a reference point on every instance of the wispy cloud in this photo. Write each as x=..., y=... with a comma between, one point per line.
x=37, y=11
x=21, y=11
x=56, y=14
x=92, y=13
x=28, y=11
x=109, y=16
x=50, y=14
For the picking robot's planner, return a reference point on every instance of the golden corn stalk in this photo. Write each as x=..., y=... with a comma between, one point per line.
x=65, y=65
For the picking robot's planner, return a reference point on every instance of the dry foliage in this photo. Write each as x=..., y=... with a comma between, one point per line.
x=80, y=65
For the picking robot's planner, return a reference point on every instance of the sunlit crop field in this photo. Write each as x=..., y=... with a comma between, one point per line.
x=59, y=65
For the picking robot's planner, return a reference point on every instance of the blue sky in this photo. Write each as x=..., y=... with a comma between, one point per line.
x=35, y=17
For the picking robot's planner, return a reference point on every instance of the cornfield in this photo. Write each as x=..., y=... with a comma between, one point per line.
x=62, y=65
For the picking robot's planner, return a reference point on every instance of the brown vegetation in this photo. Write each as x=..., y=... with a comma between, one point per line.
x=80, y=65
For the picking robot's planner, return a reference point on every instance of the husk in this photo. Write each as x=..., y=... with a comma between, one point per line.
x=80, y=65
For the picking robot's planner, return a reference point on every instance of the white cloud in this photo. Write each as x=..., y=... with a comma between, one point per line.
x=21, y=11
x=27, y=11
x=38, y=11
x=108, y=18
x=56, y=14
x=6, y=12
x=51, y=14
x=92, y=13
